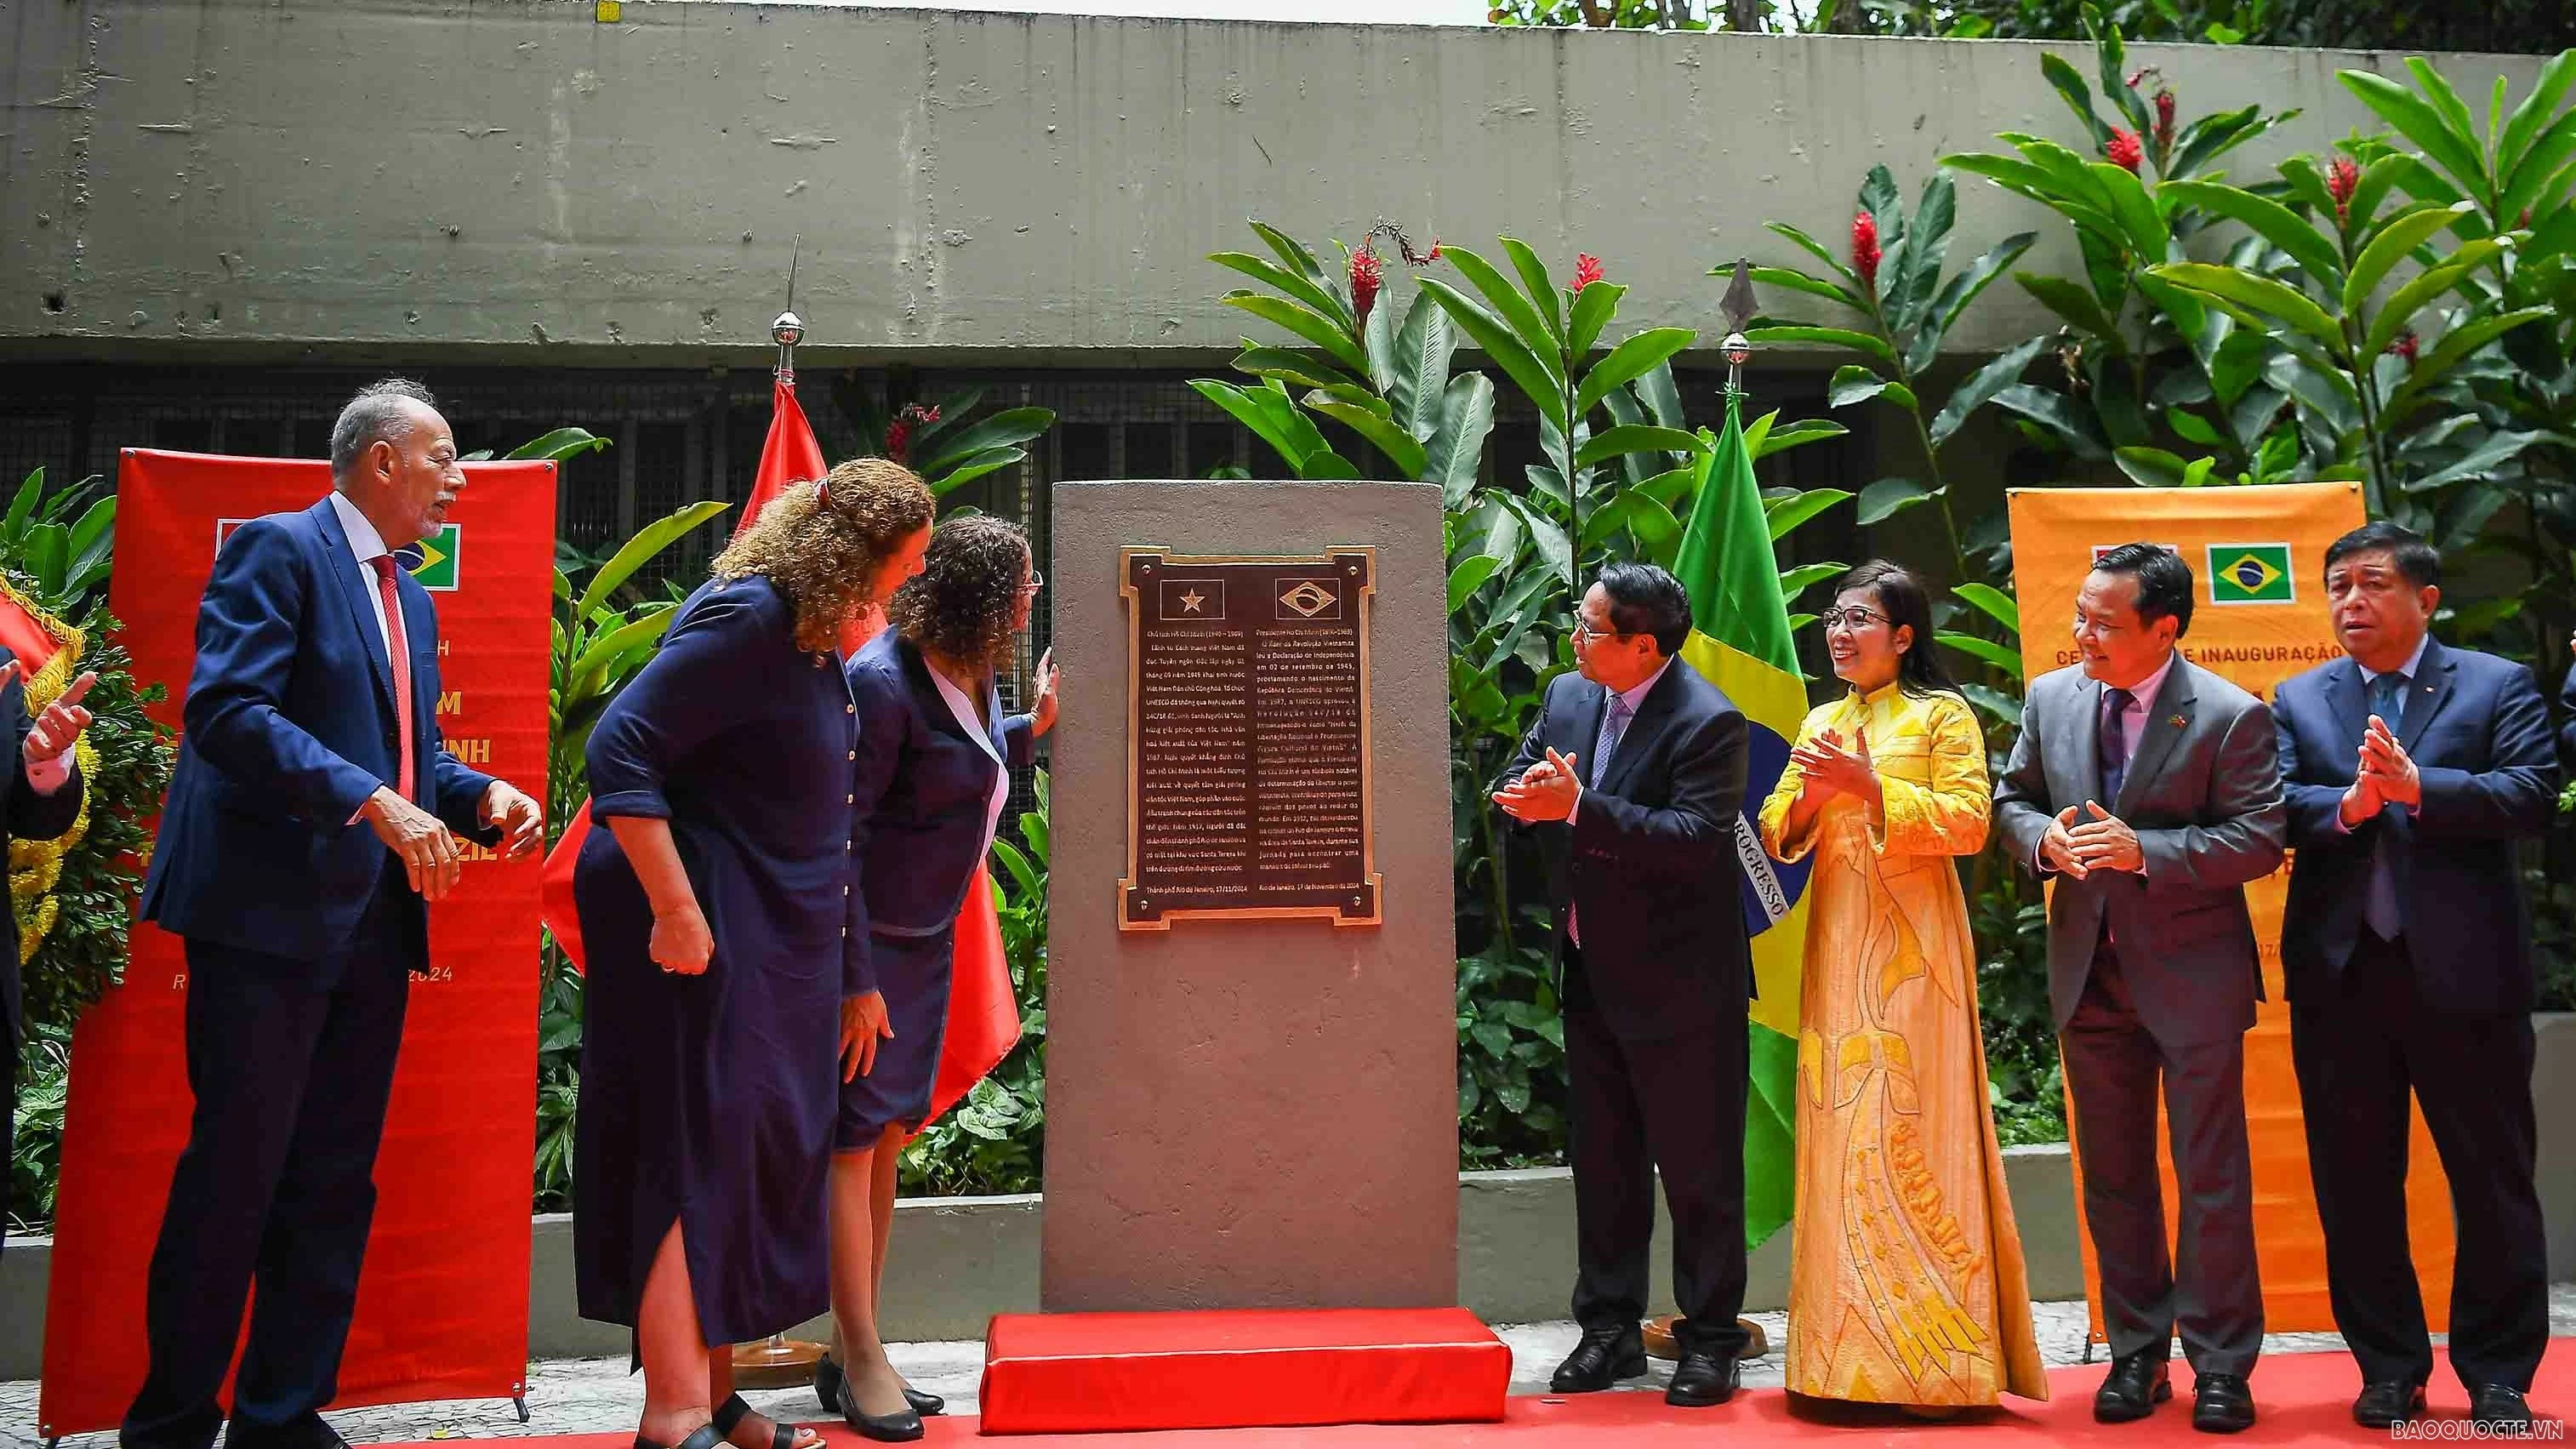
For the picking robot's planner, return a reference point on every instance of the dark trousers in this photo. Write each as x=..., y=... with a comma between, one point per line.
x=2208, y=1287
x=1675, y=1104
x=292, y=1063
x=2359, y=1045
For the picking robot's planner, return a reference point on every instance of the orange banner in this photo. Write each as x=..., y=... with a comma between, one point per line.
x=2257, y=557
x=443, y=1299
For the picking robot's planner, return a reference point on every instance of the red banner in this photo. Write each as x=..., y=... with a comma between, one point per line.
x=443, y=1302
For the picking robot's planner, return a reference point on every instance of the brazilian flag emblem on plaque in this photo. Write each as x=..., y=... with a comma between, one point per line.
x=2250, y=573
x=437, y=566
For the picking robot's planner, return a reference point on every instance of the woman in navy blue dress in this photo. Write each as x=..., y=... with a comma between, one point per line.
x=719, y=907
x=933, y=746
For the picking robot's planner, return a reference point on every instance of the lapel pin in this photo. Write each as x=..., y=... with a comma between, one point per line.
x=2175, y=720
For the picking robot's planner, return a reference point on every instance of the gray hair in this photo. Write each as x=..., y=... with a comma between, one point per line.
x=375, y=415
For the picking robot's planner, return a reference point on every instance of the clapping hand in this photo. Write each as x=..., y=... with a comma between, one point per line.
x=62, y=721
x=2387, y=767
x=2057, y=845
x=2103, y=841
x=1545, y=791
x=1825, y=763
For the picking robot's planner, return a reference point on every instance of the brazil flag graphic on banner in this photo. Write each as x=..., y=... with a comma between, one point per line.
x=1740, y=641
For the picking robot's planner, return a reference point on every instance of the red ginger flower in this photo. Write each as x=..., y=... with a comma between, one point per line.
x=1587, y=270
x=2342, y=179
x=2126, y=151
x=2407, y=346
x=2164, y=120
x=1865, y=248
x=898, y=437
x=1367, y=273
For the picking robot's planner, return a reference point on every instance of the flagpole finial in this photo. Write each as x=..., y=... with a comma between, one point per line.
x=787, y=331
x=1737, y=351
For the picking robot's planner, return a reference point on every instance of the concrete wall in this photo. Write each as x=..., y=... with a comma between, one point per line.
x=407, y=178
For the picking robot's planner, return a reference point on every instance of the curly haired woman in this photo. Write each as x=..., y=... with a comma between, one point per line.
x=934, y=756
x=720, y=912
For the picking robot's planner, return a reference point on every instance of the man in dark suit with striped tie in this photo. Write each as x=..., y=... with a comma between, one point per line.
x=313, y=815
x=2413, y=770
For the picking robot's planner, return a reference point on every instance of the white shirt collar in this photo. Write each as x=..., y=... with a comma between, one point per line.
x=2414, y=662
x=364, y=541
x=963, y=710
x=1637, y=697
x=2143, y=697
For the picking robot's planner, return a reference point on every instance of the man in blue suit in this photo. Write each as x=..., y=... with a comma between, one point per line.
x=313, y=814
x=2412, y=772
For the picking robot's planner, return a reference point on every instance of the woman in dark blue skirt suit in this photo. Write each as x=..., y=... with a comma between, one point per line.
x=720, y=911
x=933, y=744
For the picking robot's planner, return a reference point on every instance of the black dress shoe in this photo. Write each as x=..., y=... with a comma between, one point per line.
x=1703, y=1378
x=2494, y=1406
x=827, y=1387
x=2137, y=1384
x=1603, y=1357
x=2222, y=1404
x=2388, y=1403
x=901, y=1427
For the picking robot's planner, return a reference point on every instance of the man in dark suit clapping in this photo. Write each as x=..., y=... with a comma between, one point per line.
x=313, y=814
x=1634, y=775
x=2413, y=771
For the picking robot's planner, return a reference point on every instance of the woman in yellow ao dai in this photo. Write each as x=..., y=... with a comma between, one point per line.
x=1907, y=1284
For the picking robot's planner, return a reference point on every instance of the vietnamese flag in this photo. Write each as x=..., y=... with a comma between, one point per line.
x=983, y=1008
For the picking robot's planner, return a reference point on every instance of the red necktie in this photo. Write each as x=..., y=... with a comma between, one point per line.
x=399, y=649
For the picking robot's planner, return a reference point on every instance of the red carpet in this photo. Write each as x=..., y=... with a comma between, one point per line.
x=2304, y=1398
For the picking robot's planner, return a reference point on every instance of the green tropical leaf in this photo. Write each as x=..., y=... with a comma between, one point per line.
x=1400, y=447
x=1516, y=311
x=2422, y=123
x=1888, y=497
x=2483, y=460
x=2073, y=425
x=2548, y=92
x=2455, y=347
x=1457, y=446
x=1469, y=576
x=651, y=539
x=956, y=473
x=1787, y=514
x=2141, y=224
x=1627, y=438
x=1818, y=250
x=2258, y=295
x=1780, y=440
x=1537, y=380
x=2403, y=234
x=1796, y=581
x=1005, y=429
x=2151, y=467
x=2007, y=660
x=645, y=628
x=2077, y=305
x=2268, y=219
x=1592, y=312
x=1293, y=252
x=1963, y=289
x=1306, y=369
x=1627, y=362
x=1796, y=281
x=1827, y=337
x=1854, y=383
x=1377, y=336
x=557, y=446
x=1423, y=349
x=1541, y=288
x=1982, y=385
x=1309, y=290
x=2420, y=291
x=2069, y=82
x=2525, y=186
x=1993, y=602
x=1927, y=246
x=1306, y=323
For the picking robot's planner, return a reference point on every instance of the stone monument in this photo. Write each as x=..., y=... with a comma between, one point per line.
x=1252, y=1048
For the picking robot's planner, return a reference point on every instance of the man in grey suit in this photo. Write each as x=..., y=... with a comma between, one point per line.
x=2149, y=789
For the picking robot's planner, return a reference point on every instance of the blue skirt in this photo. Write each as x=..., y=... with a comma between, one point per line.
x=913, y=973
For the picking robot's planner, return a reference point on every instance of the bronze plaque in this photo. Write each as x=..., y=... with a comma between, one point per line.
x=1248, y=738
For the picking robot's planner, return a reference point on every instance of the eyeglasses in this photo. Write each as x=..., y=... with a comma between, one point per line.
x=1854, y=617
x=1036, y=582
x=1583, y=630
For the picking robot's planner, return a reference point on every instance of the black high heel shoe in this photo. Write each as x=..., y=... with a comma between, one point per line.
x=900, y=1428
x=827, y=1387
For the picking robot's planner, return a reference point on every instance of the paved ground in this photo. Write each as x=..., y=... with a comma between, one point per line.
x=581, y=1396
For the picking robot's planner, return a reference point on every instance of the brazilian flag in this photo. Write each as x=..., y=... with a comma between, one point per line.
x=1740, y=641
